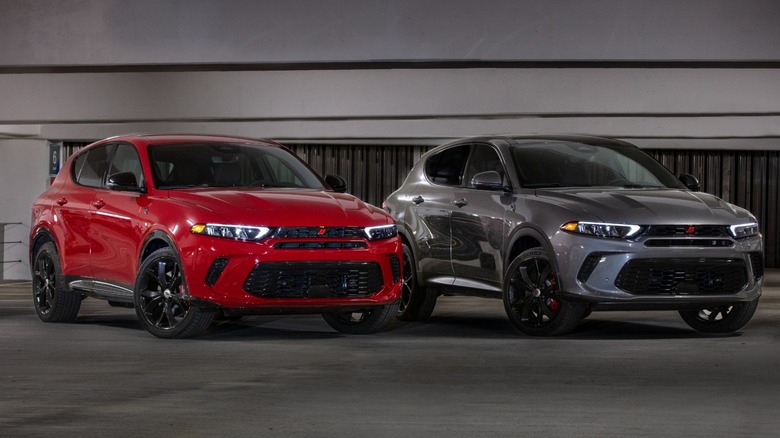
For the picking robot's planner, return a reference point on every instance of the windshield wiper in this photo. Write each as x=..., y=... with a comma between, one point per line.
x=640, y=186
x=540, y=185
x=182, y=186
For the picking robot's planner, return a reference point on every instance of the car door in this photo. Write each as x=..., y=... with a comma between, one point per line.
x=431, y=212
x=74, y=207
x=477, y=222
x=115, y=228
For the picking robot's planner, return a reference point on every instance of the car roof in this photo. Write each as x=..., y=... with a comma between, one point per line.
x=539, y=137
x=186, y=138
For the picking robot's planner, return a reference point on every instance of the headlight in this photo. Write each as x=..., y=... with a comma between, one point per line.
x=744, y=230
x=237, y=232
x=381, y=232
x=600, y=229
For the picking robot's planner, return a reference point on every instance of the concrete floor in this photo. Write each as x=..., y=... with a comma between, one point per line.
x=464, y=373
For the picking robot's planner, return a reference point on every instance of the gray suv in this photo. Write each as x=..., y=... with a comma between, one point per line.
x=561, y=226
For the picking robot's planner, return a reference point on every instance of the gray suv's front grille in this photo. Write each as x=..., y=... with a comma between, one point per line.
x=687, y=231
x=685, y=276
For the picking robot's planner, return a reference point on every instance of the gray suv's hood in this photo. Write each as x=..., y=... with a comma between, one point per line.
x=649, y=206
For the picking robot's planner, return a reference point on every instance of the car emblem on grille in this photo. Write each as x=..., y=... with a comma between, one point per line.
x=690, y=230
x=321, y=231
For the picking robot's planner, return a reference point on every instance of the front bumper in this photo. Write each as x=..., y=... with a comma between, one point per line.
x=617, y=274
x=268, y=277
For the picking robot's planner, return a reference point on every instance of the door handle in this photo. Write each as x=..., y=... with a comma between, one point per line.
x=418, y=199
x=62, y=201
x=460, y=202
x=98, y=204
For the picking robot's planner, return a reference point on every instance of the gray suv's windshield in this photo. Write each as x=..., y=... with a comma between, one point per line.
x=574, y=164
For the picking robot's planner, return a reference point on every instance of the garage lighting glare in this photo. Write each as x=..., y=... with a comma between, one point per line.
x=237, y=232
x=600, y=229
x=744, y=230
x=381, y=232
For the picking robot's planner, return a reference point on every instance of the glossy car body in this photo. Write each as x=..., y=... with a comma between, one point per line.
x=235, y=226
x=567, y=225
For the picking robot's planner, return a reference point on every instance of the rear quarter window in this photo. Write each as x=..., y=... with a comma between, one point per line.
x=446, y=167
x=90, y=167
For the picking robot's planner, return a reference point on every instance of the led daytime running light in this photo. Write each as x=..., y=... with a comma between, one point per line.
x=381, y=232
x=237, y=232
x=744, y=230
x=600, y=229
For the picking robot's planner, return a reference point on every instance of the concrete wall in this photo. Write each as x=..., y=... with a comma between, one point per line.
x=23, y=176
x=120, y=32
x=661, y=73
x=711, y=108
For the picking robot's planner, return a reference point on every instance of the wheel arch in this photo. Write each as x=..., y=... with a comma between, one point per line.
x=526, y=237
x=407, y=240
x=154, y=241
x=38, y=239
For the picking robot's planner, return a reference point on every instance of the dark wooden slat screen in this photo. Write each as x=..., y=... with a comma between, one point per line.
x=372, y=172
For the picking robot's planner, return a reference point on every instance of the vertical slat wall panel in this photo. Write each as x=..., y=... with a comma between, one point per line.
x=372, y=172
x=745, y=178
x=772, y=211
x=748, y=179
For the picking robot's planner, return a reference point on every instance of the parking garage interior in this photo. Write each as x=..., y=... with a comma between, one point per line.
x=362, y=89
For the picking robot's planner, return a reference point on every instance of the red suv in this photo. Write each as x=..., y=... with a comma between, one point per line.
x=188, y=228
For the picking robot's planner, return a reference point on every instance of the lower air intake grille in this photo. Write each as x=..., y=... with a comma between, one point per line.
x=314, y=279
x=395, y=265
x=588, y=266
x=215, y=270
x=757, y=260
x=683, y=276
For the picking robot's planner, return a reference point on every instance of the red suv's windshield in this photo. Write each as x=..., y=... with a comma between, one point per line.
x=228, y=165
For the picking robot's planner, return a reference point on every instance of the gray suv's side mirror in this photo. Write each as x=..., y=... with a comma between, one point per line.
x=690, y=181
x=488, y=180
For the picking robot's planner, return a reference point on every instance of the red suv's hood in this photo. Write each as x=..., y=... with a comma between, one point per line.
x=277, y=207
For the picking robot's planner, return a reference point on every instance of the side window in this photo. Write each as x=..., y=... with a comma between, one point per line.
x=483, y=158
x=446, y=167
x=126, y=160
x=90, y=168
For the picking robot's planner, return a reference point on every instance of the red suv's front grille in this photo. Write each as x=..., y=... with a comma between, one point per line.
x=319, y=232
x=314, y=279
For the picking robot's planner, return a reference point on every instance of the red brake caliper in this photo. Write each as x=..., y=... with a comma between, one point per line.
x=552, y=303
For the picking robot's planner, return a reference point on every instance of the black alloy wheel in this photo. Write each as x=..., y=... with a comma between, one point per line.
x=531, y=300
x=720, y=319
x=160, y=299
x=53, y=301
x=417, y=302
x=362, y=322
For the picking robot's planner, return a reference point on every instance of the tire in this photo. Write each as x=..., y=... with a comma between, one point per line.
x=53, y=301
x=530, y=297
x=722, y=319
x=417, y=302
x=160, y=299
x=362, y=322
